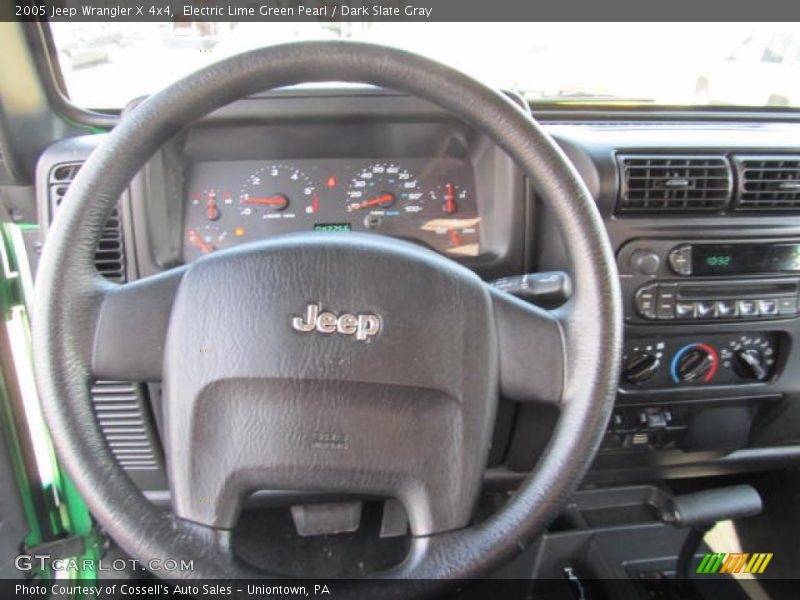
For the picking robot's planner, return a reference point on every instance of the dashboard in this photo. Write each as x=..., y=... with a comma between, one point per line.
x=709, y=282
x=428, y=201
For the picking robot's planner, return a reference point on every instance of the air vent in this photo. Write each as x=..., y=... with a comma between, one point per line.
x=768, y=183
x=662, y=183
x=120, y=412
x=120, y=407
x=110, y=255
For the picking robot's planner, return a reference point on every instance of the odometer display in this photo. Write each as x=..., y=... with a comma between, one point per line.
x=332, y=227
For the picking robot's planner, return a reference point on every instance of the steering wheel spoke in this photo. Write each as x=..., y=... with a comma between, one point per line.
x=131, y=328
x=532, y=350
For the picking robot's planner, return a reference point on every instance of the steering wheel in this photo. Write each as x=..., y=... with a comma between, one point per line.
x=343, y=363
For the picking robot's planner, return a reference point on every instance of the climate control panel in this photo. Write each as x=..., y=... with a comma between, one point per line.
x=714, y=359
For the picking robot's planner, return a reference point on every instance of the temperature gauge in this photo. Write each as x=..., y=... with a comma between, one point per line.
x=448, y=197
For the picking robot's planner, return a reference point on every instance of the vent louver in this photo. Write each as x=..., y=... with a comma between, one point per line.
x=768, y=183
x=674, y=183
x=119, y=408
x=110, y=254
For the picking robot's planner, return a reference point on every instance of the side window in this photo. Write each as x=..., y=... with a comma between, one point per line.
x=776, y=49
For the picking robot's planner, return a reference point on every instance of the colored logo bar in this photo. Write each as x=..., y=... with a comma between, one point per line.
x=734, y=562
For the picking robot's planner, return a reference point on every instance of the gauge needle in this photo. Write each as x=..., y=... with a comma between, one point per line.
x=212, y=212
x=450, y=204
x=271, y=200
x=382, y=199
x=198, y=241
x=454, y=237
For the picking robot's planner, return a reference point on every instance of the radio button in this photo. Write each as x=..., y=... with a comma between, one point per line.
x=768, y=308
x=787, y=306
x=726, y=309
x=706, y=309
x=747, y=308
x=665, y=302
x=645, y=261
x=684, y=310
x=646, y=302
x=680, y=260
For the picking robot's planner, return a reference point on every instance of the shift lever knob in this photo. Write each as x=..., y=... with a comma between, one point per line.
x=700, y=511
x=703, y=509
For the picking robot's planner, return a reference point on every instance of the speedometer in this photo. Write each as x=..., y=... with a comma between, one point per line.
x=384, y=188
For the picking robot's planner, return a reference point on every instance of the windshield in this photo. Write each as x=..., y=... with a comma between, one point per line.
x=105, y=65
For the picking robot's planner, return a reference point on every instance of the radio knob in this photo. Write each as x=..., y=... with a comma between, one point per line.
x=640, y=367
x=645, y=261
x=696, y=362
x=749, y=364
x=680, y=260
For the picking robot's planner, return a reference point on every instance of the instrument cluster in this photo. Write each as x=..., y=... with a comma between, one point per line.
x=430, y=201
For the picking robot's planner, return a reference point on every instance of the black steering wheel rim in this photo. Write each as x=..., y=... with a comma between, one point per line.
x=70, y=292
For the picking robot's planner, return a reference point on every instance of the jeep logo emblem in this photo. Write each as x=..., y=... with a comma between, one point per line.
x=362, y=327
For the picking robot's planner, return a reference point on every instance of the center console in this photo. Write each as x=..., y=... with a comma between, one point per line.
x=690, y=283
x=704, y=222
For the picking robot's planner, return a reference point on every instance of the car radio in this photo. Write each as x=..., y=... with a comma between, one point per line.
x=725, y=280
x=713, y=259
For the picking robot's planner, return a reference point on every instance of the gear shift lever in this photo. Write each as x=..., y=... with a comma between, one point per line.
x=701, y=511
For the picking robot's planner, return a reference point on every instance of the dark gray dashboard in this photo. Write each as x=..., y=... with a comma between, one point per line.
x=662, y=428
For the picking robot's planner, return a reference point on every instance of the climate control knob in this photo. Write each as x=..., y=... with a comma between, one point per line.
x=640, y=367
x=749, y=364
x=694, y=363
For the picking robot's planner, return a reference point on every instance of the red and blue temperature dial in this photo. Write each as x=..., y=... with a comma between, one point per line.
x=694, y=363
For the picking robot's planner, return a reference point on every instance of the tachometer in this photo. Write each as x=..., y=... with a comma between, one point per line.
x=384, y=188
x=277, y=191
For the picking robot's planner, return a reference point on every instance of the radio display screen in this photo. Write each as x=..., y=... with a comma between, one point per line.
x=742, y=259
